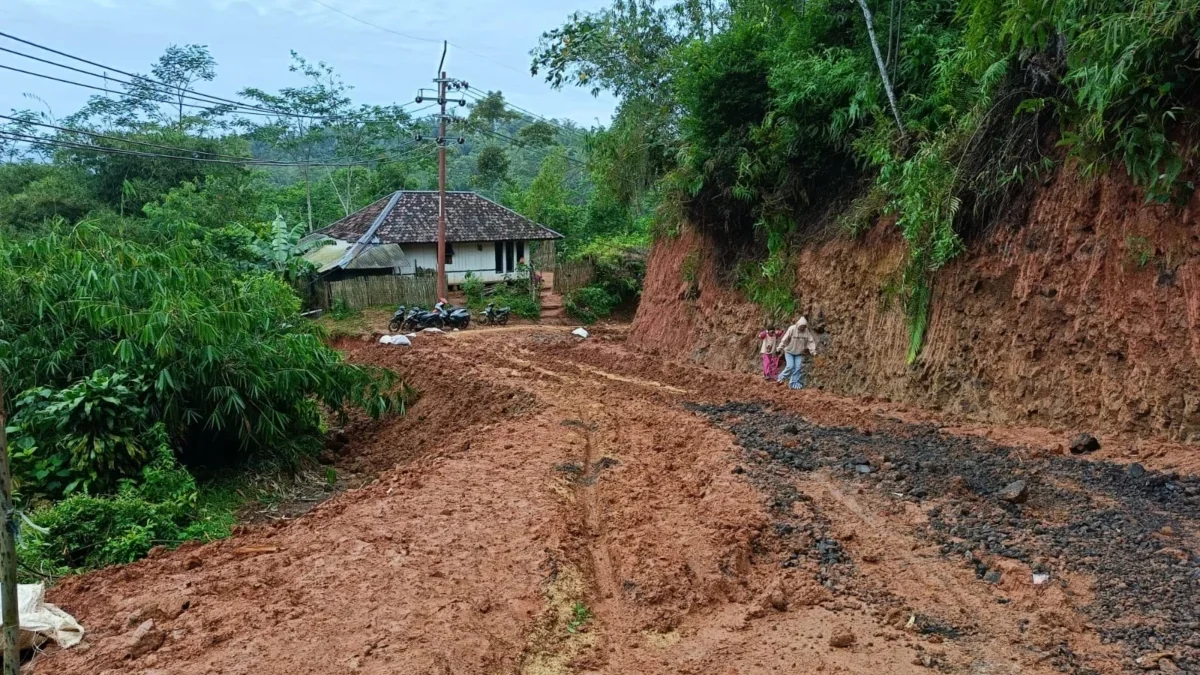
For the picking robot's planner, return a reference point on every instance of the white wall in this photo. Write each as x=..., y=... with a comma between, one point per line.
x=467, y=257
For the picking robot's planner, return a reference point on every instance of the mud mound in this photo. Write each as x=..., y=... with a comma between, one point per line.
x=454, y=395
x=1127, y=529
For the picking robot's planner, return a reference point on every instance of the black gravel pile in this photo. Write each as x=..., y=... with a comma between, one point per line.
x=1121, y=525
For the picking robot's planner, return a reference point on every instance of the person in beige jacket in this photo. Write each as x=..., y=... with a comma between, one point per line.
x=795, y=343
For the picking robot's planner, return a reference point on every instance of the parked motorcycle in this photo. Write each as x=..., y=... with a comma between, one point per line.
x=419, y=319
x=398, y=318
x=493, y=316
x=454, y=317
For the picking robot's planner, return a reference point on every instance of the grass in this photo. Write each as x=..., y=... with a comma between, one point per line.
x=580, y=616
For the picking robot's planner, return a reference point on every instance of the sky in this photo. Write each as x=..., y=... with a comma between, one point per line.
x=251, y=41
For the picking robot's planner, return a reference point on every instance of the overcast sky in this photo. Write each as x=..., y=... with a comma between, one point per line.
x=251, y=39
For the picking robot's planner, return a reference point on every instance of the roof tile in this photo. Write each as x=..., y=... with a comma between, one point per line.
x=469, y=217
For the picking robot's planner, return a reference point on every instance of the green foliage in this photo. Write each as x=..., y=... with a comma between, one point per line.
x=281, y=252
x=769, y=108
x=83, y=437
x=491, y=166
x=489, y=111
x=342, y=310
x=539, y=134
x=216, y=202
x=591, y=303
x=87, y=532
x=226, y=360
x=1141, y=251
x=515, y=294
x=581, y=615
x=473, y=288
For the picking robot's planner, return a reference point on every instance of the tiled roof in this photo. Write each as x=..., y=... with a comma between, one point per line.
x=469, y=217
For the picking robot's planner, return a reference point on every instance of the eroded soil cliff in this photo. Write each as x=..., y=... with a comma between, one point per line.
x=1085, y=315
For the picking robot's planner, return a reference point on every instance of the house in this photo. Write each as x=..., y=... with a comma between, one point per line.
x=397, y=235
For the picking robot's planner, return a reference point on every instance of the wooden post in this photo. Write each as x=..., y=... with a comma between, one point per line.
x=8, y=555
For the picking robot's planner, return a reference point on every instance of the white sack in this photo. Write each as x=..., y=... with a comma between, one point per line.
x=41, y=621
x=580, y=332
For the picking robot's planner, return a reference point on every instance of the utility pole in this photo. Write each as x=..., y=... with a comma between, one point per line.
x=8, y=555
x=441, y=249
x=444, y=85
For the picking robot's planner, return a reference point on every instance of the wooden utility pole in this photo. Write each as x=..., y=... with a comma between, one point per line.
x=441, y=141
x=8, y=555
x=444, y=85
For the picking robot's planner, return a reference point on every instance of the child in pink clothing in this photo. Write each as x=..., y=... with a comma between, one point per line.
x=770, y=360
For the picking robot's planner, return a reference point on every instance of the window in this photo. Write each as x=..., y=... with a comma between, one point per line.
x=521, y=251
x=499, y=257
x=509, y=263
x=449, y=253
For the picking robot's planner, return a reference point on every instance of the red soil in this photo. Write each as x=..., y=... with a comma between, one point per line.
x=552, y=508
x=1056, y=323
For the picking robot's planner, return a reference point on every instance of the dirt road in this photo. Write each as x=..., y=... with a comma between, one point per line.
x=554, y=505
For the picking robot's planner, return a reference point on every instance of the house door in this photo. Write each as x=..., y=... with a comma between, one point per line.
x=508, y=254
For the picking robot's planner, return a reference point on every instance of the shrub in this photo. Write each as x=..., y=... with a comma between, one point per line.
x=226, y=362
x=82, y=437
x=472, y=287
x=518, y=298
x=591, y=303
x=86, y=532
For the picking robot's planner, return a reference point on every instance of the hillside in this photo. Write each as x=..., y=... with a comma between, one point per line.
x=1082, y=316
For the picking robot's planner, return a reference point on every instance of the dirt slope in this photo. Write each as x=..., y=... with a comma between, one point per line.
x=559, y=506
x=1085, y=315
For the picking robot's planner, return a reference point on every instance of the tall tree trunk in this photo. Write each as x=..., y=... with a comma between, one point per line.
x=883, y=74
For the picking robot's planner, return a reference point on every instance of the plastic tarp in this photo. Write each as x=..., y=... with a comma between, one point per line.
x=41, y=621
x=398, y=340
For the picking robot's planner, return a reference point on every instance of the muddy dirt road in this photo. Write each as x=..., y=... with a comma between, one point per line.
x=562, y=506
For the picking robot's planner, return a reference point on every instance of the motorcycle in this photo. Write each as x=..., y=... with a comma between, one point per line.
x=493, y=316
x=419, y=319
x=398, y=318
x=454, y=317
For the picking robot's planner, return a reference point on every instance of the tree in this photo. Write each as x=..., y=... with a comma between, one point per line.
x=548, y=200
x=179, y=68
x=297, y=130
x=883, y=73
x=368, y=132
x=489, y=111
x=627, y=48
x=539, y=134
x=161, y=98
x=491, y=166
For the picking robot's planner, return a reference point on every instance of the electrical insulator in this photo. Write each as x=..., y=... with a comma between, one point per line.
x=420, y=99
x=417, y=137
x=461, y=140
x=462, y=102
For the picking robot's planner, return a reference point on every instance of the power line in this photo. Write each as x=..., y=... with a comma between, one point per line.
x=480, y=94
x=37, y=140
x=364, y=22
x=111, y=91
x=147, y=144
x=518, y=143
x=162, y=87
